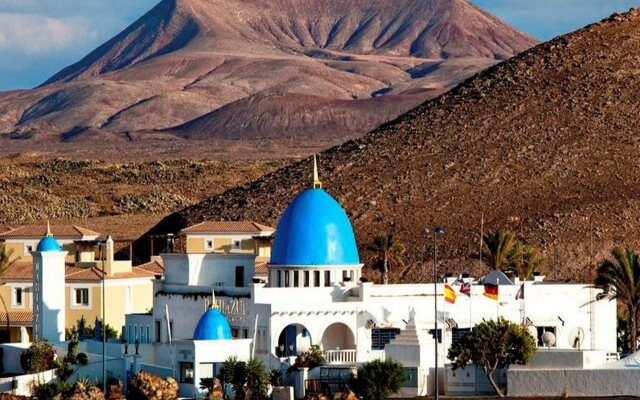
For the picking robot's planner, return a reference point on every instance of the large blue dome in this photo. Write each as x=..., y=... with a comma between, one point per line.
x=48, y=243
x=314, y=230
x=212, y=326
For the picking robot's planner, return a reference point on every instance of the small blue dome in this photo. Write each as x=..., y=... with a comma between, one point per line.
x=314, y=230
x=213, y=325
x=48, y=243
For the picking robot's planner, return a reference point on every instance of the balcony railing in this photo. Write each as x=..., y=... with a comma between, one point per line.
x=340, y=356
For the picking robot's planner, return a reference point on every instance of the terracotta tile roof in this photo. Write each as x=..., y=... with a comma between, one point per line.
x=262, y=266
x=17, y=318
x=37, y=231
x=155, y=267
x=228, y=227
x=23, y=271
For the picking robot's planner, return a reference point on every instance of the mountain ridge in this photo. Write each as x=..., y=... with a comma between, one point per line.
x=186, y=59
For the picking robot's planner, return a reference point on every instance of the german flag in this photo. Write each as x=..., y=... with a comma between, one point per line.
x=449, y=294
x=491, y=291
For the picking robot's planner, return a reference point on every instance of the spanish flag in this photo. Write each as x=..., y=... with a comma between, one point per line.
x=491, y=291
x=449, y=294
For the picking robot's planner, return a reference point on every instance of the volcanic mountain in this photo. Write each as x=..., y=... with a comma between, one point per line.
x=262, y=69
x=550, y=136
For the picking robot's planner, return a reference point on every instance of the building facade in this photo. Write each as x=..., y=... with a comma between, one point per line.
x=314, y=296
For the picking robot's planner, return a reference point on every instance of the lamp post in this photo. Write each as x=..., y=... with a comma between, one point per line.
x=436, y=232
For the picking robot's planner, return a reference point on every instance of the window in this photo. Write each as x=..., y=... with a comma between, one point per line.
x=148, y=335
x=158, y=330
x=306, y=278
x=239, y=276
x=135, y=333
x=316, y=278
x=235, y=244
x=279, y=283
x=345, y=276
x=234, y=332
x=458, y=333
x=17, y=297
x=327, y=278
x=170, y=329
x=434, y=336
x=245, y=333
x=186, y=372
x=208, y=244
x=81, y=297
x=29, y=248
x=286, y=278
x=381, y=336
x=296, y=279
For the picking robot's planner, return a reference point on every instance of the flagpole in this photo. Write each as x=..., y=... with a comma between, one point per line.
x=497, y=299
x=470, y=303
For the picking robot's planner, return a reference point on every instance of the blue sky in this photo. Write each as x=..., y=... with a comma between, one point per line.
x=39, y=37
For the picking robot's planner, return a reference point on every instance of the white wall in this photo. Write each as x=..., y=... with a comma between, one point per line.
x=575, y=383
x=215, y=270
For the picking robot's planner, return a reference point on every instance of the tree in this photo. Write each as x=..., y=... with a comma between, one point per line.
x=248, y=379
x=377, y=380
x=388, y=251
x=498, y=249
x=619, y=279
x=493, y=345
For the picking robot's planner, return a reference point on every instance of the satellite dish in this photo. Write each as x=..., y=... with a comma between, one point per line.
x=549, y=339
x=576, y=337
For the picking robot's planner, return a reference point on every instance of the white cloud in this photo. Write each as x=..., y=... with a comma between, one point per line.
x=39, y=34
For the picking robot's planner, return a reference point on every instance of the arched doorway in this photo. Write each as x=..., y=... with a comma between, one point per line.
x=294, y=340
x=338, y=336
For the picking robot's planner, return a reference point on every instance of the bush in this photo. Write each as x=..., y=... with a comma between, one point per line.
x=144, y=385
x=377, y=380
x=49, y=391
x=38, y=357
x=114, y=389
x=82, y=392
x=275, y=377
x=83, y=358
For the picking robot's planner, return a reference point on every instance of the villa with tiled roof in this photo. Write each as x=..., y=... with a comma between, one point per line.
x=229, y=237
x=127, y=288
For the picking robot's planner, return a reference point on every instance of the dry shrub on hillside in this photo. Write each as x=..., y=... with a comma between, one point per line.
x=151, y=387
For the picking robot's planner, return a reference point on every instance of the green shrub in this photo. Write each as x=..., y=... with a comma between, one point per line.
x=38, y=357
x=377, y=380
x=83, y=359
x=49, y=391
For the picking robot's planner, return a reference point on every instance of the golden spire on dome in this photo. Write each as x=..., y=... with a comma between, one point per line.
x=316, y=180
x=49, y=234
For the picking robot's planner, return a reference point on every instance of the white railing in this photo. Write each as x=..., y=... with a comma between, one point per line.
x=340, y=356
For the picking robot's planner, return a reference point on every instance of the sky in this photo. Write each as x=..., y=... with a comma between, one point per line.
x=40, y=37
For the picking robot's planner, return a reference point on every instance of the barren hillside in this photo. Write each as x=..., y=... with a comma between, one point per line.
x=550, y=136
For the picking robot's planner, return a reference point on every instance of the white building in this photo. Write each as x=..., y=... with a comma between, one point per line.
x=314, y=296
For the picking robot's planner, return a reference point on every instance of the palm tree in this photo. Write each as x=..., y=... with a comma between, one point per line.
x=619, y=279
x=527, y=260
x=498, y=249
x=388, y=251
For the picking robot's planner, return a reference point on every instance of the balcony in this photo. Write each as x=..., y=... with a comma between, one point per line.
x=340, y=357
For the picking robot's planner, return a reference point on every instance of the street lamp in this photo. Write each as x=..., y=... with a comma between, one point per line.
x=436, y=232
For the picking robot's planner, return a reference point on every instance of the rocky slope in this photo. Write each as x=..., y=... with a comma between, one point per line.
x=121, y=199
x=549, y=136
x=219, y=69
